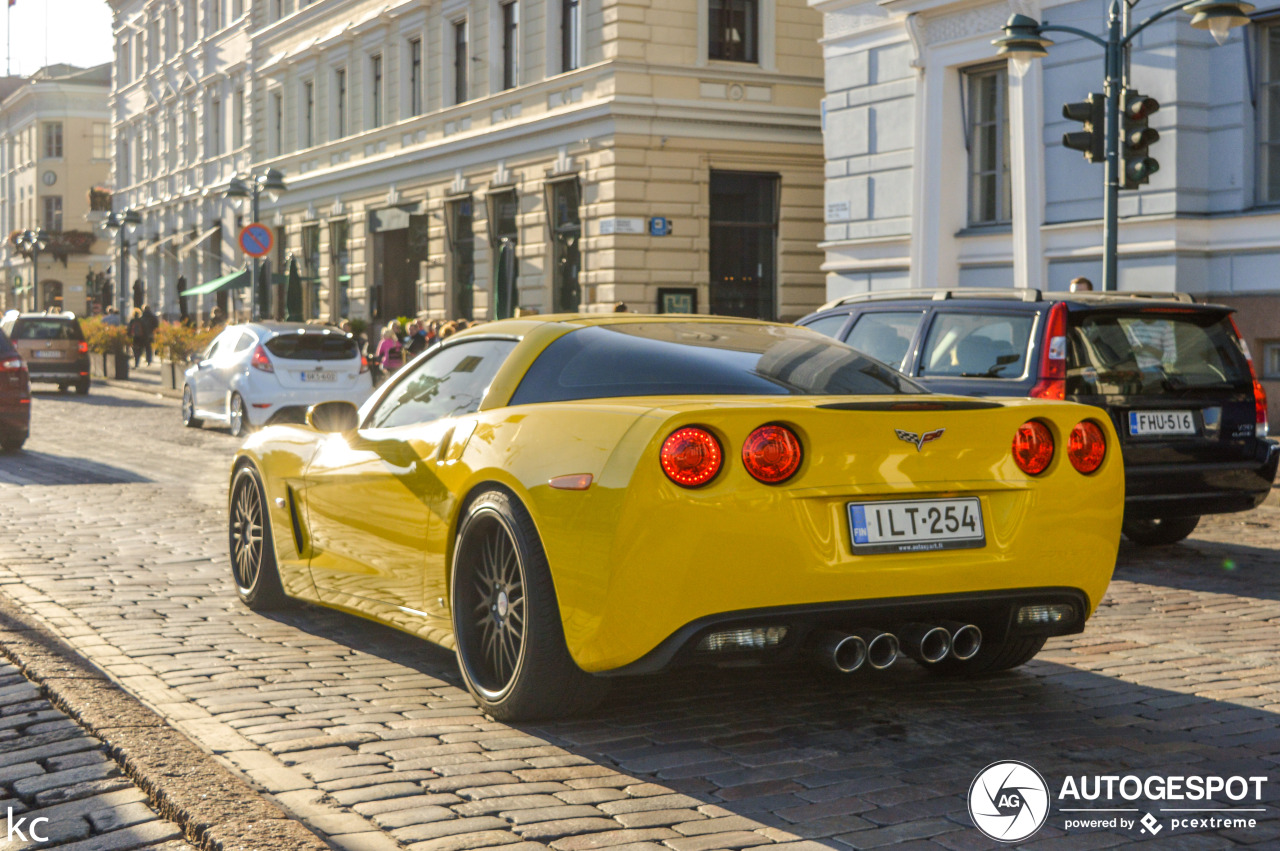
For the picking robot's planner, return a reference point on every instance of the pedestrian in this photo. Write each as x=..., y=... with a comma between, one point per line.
x=137, y=335
x=151, y=323
x=1081, y=285
x=417, y=338
x=217, y=317
x=111, y=317
x=447, y=330
x=391, y=350
x=620, y=307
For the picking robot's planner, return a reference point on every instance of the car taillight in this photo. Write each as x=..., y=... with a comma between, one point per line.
x=83, y=347
x=691, y=456
x=364, y=364
x=1033, y=447
x=260, y=360
x=772, y=454
x=1086, y=446
x=1052, y=383
x=11, y=363
x=1259, y=393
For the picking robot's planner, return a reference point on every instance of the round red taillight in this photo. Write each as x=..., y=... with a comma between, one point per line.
x=772, y=454
x=1033, y=447
x=1087, y=446
x=691, y=456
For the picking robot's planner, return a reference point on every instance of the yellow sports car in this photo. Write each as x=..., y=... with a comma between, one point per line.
x=570, y=498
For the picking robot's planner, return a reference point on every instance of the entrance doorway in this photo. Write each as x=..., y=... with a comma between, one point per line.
x=462, y=258
x=397, y=251
x=744, y=244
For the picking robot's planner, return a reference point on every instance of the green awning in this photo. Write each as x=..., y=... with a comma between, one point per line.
x=234, y=280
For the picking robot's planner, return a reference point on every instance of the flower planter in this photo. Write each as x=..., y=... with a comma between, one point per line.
x=121, y=371
x=171, y=374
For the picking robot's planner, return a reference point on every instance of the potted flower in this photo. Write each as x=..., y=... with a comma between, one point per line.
x=110, y=341
x=176, y=343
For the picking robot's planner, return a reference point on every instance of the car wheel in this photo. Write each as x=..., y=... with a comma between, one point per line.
x=1159, y=531
x=253, y=554
x=82, y=388
x=992, y=656
x=189, y=418
x=237, y=419
x=506, y=620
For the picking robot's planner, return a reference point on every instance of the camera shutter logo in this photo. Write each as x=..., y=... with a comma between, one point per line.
x=1008, y=801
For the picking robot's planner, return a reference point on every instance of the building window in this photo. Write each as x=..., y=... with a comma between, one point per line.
x=566, y=234
x=462, y=257
x=53, y=213
x=192, y=135
x=101, y=141
x=215, y=127
x=53, y=139
x=510, y=44
x=732, y=30
x=237, y=118
x=987, y=126
x=1269, y=115
x=215, y=16
x=277, y=9
x=308, y=129
x=570, y=27
x=744, y=244
x=339, y=269
x=415, y=76
x=277, y=123
x=340, y=103
x=460, y=61
x=504, y=237
x=171, y=143
x=170, y=31
x=1271, y=360
x=375, y=88
x=311, y=270
x=189, y=22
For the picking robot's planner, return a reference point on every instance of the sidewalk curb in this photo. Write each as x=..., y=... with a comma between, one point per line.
x=132, y=386
x=216, y=810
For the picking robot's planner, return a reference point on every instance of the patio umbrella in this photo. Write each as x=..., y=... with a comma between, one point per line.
x=293, y=293
x=264, y=290
x=183, y=311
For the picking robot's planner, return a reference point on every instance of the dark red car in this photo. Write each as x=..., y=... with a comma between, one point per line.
x=15, y=398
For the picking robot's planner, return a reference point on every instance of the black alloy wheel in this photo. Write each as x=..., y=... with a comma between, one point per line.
x=506, y=619
x=1159, y=531
x=253, y=558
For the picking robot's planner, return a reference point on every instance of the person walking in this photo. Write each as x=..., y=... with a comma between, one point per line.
x=137, y=330
x=151, y=323
x=391, y=350
x=111, y=317
x=417, y=341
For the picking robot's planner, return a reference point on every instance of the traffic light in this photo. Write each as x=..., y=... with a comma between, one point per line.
x=1135, y=139
x=1092, y=139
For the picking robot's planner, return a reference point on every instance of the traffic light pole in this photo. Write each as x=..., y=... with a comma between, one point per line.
x=1114, y=85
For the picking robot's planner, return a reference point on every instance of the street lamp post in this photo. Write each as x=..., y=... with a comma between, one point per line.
x=272, y=182
x=33, y=242
x=119, y=224
x=1024, y=40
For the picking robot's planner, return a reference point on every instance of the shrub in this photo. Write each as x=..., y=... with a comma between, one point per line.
x=104, y=339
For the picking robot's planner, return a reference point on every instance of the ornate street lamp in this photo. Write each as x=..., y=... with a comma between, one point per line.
x=120, y=224
x=33, y=242
x=270, y=181
x=1024, y=40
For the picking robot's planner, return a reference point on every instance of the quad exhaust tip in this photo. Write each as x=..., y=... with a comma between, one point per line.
x=925, y=643
x=966, y=639
x=842, y=652
x=882, y=648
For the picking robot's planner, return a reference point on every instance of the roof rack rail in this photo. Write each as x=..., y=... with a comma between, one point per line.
x=941, y=294
x=1151, y=294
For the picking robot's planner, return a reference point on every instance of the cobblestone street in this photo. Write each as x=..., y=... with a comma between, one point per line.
x=116, y=540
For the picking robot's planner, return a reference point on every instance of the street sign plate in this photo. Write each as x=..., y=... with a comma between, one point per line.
x=255, y=240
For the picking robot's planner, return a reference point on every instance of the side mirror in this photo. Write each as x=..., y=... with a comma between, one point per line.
x=333, y=417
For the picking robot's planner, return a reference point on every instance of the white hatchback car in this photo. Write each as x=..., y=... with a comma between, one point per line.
x=261, y=373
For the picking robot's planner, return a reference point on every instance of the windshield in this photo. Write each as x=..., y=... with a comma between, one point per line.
x=1152, y=353
x=702, y=358
x=47, y=329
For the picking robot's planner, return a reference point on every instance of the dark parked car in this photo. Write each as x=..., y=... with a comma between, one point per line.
x=15, y=397
x=1174, y=375
x=53, y=347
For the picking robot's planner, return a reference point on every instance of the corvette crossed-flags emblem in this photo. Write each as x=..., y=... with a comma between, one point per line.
x=919, y=439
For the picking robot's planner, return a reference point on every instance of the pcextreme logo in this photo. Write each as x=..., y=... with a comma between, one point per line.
x=1008, y=801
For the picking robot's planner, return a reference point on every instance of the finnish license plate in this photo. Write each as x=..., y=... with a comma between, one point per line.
x=48, y=353
x=327, y=375
x=1161, y=422
x=916, y=525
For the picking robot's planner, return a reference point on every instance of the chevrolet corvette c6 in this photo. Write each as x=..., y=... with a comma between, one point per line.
x=567, y=499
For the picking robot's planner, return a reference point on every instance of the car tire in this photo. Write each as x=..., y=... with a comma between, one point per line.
x=252, y=546
x=506, y=620
x=82, y=388
x=1159, y=531
x=189, y=418
x=991, y=657
x=237, y=416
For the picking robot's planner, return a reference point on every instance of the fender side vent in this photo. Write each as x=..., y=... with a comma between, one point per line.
x=298, y=537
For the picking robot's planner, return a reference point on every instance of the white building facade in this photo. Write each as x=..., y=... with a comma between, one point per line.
x=945, y=169
x=470, y=157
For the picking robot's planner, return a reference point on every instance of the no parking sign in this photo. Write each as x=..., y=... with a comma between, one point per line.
x=255, y=240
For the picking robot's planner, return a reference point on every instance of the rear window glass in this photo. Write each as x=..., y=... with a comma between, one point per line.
x=1153, y=354
x=828, y=325
x=702, y=358
x=47, y=329
x=885, y=336
x=977, y=345
x=313, y=347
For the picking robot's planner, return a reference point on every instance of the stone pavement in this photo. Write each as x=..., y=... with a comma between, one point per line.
x=367, y=737
x=59, y=787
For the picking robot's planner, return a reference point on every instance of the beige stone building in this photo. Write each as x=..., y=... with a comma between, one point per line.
x=54, y=148
x=471, y=157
